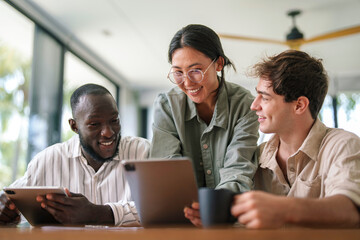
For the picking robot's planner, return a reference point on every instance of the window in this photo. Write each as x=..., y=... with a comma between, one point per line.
x=77, y=73
x=348, y=112
x=16, y=43
x=348, y=108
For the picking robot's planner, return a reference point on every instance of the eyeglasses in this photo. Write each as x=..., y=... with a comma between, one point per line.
x=194, y=75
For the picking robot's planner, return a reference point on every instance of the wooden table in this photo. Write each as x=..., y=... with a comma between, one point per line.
x=173, y=233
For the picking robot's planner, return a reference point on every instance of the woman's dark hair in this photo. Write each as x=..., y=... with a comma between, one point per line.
x=293, y=74
x=204, y=40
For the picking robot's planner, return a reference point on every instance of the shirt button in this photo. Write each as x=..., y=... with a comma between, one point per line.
x=208, y=172
x=205, y=146
x=292, y=169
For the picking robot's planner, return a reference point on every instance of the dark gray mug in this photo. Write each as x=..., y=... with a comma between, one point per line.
x=215, y=206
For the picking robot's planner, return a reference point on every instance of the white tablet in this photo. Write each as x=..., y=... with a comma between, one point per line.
x=25, y=200
x=161, y=188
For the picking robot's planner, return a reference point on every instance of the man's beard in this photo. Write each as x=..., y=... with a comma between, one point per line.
x=89, y=150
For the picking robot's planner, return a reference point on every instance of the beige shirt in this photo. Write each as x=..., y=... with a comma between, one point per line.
x=326, y=164
x=63, y=165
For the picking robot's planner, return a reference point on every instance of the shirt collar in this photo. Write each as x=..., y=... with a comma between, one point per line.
x=75, y=144
x=310, y=146
x=221, y=111
x=268, y=151
x=190, y=110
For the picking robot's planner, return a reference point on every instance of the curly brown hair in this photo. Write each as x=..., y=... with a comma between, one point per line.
x=293, y=74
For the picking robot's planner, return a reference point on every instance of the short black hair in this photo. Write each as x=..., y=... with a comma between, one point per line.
x=86, y=89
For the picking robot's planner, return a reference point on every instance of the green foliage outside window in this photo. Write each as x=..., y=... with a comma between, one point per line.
x=15, y=73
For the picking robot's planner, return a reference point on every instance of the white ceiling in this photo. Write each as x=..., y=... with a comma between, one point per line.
x=133, y=36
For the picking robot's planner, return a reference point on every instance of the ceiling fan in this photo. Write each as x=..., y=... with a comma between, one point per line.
x=295, y=38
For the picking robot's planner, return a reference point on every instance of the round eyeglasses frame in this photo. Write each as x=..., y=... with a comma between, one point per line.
x=171, y=77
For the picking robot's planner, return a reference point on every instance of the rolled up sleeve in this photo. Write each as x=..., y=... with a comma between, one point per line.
x=344, y=173
x=125, y=214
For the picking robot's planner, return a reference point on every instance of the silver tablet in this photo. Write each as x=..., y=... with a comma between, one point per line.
x=161, y=189
x=25, y=200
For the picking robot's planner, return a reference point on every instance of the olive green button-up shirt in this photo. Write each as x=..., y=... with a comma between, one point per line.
x=223, y=151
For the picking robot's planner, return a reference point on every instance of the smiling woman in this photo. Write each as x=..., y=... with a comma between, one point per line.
x=204, y=117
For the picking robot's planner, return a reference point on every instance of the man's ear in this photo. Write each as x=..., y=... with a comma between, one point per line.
x=302, y=104
x=220, y=64
x=73, y=125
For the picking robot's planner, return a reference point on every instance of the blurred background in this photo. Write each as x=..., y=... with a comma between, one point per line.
x=49, y=47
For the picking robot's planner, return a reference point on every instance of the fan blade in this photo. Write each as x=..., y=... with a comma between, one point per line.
x=295, y=43
x=252, y=39
x=335, y=34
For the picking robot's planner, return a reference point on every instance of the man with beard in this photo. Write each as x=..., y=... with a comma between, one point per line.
x=88, y=165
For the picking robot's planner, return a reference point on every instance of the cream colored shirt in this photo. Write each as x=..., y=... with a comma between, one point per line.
x=326, y=164
x=63, y=165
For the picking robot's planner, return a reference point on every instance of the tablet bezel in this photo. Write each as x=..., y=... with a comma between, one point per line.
x=24, y=199
x=161, y=188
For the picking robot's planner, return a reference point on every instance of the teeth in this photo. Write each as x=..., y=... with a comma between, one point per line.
x=193, y=90
x=107, y=143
